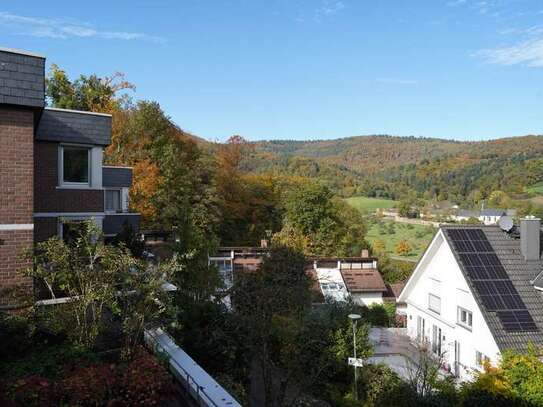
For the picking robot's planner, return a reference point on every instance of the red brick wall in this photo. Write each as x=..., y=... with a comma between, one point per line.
x=14, y=244
x=16, y=193
x=48, y=198
x=16, y=165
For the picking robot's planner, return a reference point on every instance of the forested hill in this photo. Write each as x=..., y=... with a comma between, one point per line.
x=369, y=153
x=394, y=166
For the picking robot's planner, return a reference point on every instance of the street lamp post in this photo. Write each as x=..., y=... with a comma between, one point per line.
x=354, y=318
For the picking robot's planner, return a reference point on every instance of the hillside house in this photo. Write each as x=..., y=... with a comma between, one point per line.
x=351, y=277
x=485, y=216
x=476, y=292
x=51, y=166
x=335, y=278
x=232, y=260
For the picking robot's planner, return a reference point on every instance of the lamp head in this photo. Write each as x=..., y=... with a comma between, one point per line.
x=354, y=317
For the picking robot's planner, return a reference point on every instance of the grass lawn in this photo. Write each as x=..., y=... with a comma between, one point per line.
x=391, y=233
x=536, y=188
x=366, y=204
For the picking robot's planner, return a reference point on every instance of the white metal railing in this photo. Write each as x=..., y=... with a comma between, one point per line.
x=196, y=381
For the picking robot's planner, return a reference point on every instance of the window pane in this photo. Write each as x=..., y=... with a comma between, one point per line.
x=76, y=164
x=470, y=319
x=113, y=200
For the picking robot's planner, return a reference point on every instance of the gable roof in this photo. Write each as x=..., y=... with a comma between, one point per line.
x=493, y=212
x=522, y=273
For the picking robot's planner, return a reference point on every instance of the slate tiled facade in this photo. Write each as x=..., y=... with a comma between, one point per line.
x=35, y=197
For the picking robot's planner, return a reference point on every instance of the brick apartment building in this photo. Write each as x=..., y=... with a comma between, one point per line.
x=51, y=172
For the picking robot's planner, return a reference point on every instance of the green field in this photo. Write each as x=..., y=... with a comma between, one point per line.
x=366, y=204
x=417, y=236
x=536, y=188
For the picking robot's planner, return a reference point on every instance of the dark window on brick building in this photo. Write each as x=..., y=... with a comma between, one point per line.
x=75, y=166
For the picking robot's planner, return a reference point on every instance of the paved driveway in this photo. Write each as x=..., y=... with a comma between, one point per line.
x=392, y=347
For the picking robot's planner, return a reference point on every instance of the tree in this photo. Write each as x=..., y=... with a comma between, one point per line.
x=404, y=209
x=379, y=386
x=403, y=248
x=272, y=303
x=318, y=224
x=90, y=93
x=250, y=204
x=423, y=375
x=94, y=277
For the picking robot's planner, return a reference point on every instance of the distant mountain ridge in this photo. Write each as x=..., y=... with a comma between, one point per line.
x=371, y=153
x=395, y=166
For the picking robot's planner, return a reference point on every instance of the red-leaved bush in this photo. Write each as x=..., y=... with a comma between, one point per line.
x=142, y=381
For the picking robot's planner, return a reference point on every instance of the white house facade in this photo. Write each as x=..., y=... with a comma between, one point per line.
x=475, y=294
x=356, y=278
x=442, y=310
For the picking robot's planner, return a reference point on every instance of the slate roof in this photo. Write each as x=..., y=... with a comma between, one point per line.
x=22, y=78
x=493, y=212
x=63, y=125
x=522, y=273
x=394, y=290
x=538, y=282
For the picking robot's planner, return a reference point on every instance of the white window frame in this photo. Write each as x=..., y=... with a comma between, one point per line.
x=67, y=184
x=469, y=318
x=120, y=190
x=438, y=311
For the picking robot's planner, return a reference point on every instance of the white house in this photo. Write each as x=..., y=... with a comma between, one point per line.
x=353, y=277
x=475, y=293
x=491, y=216
x=485, y=216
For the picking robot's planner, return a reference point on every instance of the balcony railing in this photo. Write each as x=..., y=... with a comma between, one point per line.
x=113, y=222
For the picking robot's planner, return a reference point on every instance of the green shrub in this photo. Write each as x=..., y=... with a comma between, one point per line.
x=379, y=386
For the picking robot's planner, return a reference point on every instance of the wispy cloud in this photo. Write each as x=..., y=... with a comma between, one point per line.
x=328, y=8
x=65, y=29
x=455, y=3
x=527, y=53
x=398, y=81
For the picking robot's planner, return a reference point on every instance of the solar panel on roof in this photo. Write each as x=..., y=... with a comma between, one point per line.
x=517, y=321
x=484, y=269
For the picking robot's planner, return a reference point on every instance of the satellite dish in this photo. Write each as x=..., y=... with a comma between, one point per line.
x=506, y=223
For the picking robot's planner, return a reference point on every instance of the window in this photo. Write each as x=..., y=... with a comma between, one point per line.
x=113, y=200
x=72, y=230
x=75, y=165
x=465, y=318
x=434, y=303
x=436, y=340
x=480, y=359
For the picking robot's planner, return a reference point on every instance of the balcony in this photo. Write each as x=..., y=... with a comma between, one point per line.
x=113, y=222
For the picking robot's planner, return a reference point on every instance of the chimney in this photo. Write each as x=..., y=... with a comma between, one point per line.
x=365, y=253
x=529, y=237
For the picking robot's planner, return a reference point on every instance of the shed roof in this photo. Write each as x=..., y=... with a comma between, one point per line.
x=363, y=280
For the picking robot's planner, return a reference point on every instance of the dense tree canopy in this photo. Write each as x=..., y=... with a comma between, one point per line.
x=320, y=225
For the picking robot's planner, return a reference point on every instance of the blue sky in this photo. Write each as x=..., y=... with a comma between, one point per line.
x=307, y=69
